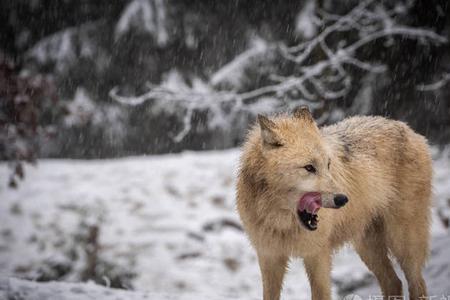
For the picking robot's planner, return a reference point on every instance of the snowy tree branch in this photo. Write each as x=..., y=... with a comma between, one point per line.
x=435, y=85
x=325, y=79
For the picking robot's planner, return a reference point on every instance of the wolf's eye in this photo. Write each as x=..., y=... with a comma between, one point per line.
x=329, y=163
x=310, y=168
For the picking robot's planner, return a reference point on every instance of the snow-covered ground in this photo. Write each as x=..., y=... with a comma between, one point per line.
x=16, y=289
x=168, y=223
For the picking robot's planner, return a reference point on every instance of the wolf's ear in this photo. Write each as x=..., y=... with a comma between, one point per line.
x=268, y=135
x=302, y=112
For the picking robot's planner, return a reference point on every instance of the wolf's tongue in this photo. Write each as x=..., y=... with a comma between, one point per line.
x=311, y=202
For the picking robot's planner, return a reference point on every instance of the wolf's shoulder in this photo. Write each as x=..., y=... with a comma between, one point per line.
x=369, y=135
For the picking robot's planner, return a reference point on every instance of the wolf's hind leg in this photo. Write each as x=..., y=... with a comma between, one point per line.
x=409, y=244
x=318, y=269
x=413, y=273
x=273, y=269
x=374, y=253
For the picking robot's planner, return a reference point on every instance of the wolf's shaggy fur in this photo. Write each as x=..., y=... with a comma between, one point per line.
x=381, y=165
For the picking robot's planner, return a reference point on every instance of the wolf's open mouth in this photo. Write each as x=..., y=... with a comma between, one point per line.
x=309, y=220
x=307, y=209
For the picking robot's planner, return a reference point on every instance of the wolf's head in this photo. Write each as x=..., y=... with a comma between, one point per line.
x=297, y=160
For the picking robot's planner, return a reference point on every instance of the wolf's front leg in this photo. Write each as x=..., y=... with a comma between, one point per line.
x=273, y=268
x=318, y=269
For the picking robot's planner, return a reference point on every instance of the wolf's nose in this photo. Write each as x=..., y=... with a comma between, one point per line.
x=340, y=200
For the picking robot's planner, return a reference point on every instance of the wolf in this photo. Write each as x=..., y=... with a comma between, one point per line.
x=304, y=191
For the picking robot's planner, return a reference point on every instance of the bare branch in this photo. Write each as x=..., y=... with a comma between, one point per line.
x=436, y=85
x=186, y=126
x=405, y=32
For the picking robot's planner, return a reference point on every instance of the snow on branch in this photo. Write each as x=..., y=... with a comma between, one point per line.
x=313, y=81
x=147, y=16
x=435, y=85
